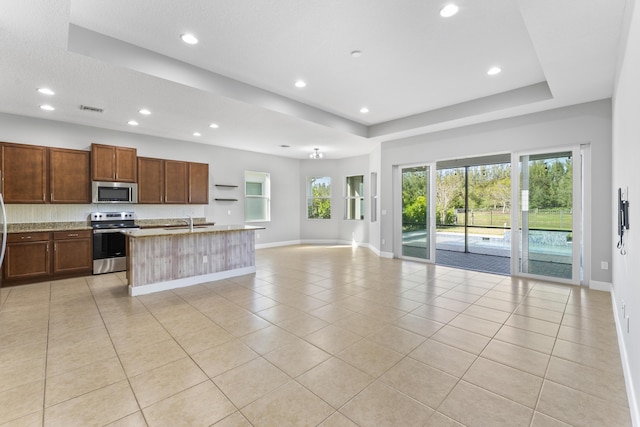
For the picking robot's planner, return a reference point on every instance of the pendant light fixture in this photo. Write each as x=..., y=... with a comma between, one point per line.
x=316, y=154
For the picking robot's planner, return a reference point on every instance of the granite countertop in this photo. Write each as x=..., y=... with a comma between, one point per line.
x=173, y=230
x=28, y=227
x=37, y=227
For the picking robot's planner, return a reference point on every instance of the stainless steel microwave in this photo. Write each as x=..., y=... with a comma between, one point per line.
x=114, y=192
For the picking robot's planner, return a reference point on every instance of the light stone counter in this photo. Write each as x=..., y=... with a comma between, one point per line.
x=166, y=258
x=184, y=229
x=36, y=227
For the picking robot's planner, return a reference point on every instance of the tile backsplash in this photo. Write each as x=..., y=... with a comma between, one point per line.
x=33, y=213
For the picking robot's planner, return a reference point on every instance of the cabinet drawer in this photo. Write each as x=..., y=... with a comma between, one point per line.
x=72, y=234
x=27, y=237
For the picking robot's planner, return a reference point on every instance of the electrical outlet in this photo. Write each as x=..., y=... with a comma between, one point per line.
x=383, y=241
x=604, y=265
x=229, y=212
x=257, y=235
x=205, y=259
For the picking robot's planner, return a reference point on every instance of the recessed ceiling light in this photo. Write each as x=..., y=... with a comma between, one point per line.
x=132, y=123
x=197, y=134
x=364, y=110
x=494, y=70
x=189, y=38
x=46, y=91
x=300, y=84
x=214, y=126
x=47, y=107
x=144, y=112
x=356, y=53
x=449, y=10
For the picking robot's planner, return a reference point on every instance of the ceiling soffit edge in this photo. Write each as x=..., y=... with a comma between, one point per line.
x=108, y=49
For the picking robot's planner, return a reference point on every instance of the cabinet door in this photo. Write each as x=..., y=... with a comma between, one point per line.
x=199, y=183
x=24, y=173
x=69, y=176
x=175, y=182
x=103, y=162
x=27, y=260
x=126, y=164
x=72, y=256
x=150, y=180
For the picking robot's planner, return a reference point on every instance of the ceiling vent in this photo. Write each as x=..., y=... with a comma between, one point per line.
x=92, y=109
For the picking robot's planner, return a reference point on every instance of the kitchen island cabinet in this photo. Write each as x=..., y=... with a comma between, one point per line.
x=168, y=258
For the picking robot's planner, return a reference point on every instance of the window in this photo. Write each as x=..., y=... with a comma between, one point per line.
x=257, y=196
x=355, y=197
x=319, y=197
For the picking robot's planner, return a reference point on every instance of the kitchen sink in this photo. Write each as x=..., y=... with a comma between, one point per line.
x=186, y=227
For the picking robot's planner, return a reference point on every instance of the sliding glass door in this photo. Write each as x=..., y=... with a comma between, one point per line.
x=549, y=215
x=416, y=226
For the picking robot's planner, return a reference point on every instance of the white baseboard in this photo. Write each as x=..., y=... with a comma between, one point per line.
x=134, y=291
x=278, y=244
x=387, y=255
x=323, y=242
x=628, y=379
x=600, y=286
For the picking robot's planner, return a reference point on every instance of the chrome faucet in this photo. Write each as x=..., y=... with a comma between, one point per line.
x=189, y=222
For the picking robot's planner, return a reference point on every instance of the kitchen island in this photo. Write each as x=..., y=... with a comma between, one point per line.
x=167, y=258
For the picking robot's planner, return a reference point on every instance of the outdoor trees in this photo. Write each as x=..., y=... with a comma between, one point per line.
x=449, y=193
x=319, y=198
x=550, y=183
x=414, y=201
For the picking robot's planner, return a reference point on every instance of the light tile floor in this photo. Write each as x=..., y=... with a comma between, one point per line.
x=329, y=336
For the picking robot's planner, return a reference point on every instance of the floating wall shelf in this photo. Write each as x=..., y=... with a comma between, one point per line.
x=226, y=200
x=226, y=185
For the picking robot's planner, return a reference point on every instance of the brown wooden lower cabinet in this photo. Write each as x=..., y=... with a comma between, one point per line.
x=72, y=252
x=33, y=257
x=27, y=256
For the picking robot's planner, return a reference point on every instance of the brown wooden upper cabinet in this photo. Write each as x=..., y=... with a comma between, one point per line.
x=172, y=181
x=24, y=173
x=69, y=176
x=198, y=183
x=110, y=163
x=176, y=182
x=150, y=180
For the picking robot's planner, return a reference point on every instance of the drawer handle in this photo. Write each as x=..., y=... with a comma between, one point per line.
x=25, y=237
x=73, y=234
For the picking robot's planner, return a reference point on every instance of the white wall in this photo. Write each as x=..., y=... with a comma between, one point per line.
x=375, y=161
x=626, y=154
x=226, y=166
x=581, y=124
x=355, y=230
x=336, y=229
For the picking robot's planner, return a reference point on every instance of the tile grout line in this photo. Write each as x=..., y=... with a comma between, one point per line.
x=117, y=354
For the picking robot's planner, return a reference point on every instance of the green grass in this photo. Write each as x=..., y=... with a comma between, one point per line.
x=547, y=220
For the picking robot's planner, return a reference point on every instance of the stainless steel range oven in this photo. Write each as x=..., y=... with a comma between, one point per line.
x=109, y=244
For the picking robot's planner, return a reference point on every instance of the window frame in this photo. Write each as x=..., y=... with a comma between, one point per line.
x=266, y=193
x=310, y=198
x=348, y=198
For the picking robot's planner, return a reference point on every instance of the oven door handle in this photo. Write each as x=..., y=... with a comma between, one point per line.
x=108, y=230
